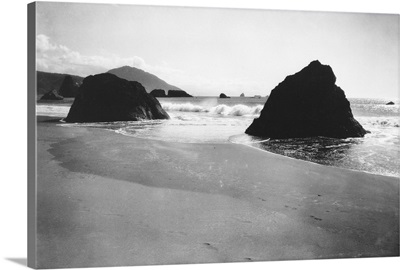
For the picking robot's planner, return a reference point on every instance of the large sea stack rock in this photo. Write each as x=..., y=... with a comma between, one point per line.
x=158, y=93
x=178, y=93
x=68, y=87
x=106, y=97
x=52, y=95
x=307, y=104
x=222, y=95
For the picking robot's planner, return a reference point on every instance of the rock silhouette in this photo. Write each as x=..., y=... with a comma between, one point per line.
x=158, y=93
x=390, y=103
x=307, y=104
x=222, y=95
x=52, y=95
x=68, y=88
x=178, y=93
x=106, y=97
x=242, y=95
x=48, y=81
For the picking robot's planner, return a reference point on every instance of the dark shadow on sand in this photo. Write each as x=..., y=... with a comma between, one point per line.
x=20, y=261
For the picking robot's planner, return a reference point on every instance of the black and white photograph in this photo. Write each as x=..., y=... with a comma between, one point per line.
x=181, y=135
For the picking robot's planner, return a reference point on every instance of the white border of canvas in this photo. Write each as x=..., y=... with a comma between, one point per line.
x=13, y=111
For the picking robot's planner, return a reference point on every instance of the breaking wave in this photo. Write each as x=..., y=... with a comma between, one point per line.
x=222, y=109
x=380, y=121
x=52, y=110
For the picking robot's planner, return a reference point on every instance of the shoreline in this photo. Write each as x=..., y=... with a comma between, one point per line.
x=324, y=165
x=110, y=199
x=60, y=120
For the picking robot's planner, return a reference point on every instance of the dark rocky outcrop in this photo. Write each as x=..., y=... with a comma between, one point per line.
x=106, y=97
x=222, y=95
x=171, y=93
x=178, y=93
x=242, y=95
x=307, y=104
x=158, y=93
x=390, y=103
x=68, y=87
x=48, y=81
x=52, y=95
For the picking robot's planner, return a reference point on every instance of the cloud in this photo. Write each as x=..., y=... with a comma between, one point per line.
x=43, y=44
x=58, y=58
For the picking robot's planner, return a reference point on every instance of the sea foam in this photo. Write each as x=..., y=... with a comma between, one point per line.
x=380, y=121
x=52, y=110
x=221, y=109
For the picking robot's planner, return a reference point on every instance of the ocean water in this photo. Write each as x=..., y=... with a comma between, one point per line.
x=214, y=120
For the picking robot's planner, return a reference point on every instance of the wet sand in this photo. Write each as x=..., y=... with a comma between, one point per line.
x=105, y=199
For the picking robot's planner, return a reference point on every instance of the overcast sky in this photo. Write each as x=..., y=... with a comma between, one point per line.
x=209, y=51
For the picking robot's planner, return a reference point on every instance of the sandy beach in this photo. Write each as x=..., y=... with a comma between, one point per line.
x=105, y=199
